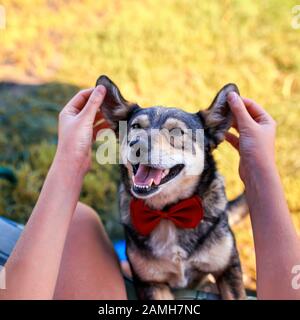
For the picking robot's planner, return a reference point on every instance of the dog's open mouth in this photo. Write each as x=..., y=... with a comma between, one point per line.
x=147, y=178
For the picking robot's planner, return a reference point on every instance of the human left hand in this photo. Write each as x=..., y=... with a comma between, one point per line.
x=79, y=122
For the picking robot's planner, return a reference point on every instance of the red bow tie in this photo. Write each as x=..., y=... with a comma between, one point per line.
x=185, y=214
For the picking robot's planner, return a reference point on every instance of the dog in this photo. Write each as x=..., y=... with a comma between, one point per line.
x=162, y=254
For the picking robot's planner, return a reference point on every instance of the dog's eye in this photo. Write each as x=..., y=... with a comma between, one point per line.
x=136, y=126
x=177, y=132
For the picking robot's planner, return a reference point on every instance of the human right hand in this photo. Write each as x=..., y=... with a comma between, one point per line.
x=256, y=141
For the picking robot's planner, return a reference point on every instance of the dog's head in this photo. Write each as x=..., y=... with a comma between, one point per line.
x=164, y=149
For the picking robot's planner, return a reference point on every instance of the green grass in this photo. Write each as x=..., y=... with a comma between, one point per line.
x=175, y=53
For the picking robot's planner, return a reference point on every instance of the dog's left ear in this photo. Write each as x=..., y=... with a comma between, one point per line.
x=217, y=119
x=114, y=107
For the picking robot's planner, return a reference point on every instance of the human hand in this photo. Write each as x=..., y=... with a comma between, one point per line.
x=256, y=141
x=79, y=122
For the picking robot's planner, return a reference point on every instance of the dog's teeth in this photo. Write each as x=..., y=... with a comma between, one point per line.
x=150, y=184
x=143, y=187
x=165, y=172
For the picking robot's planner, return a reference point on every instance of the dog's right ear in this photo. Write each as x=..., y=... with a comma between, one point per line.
x=218, y=118
x=114, y=107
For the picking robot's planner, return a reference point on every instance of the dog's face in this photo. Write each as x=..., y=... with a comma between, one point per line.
x=164, y=149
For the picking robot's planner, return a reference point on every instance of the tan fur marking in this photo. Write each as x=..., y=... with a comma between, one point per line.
x=214, y=257
x=151, y=270
x=162, y=292
x=172, y=123
x=225, y=290
x=209, y=199
x=142, y=120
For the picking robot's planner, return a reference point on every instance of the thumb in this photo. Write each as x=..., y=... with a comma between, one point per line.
x=94, y=102
x=239, y=110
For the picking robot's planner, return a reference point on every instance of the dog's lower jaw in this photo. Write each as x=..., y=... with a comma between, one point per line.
x=147, y=196
x=170, y=194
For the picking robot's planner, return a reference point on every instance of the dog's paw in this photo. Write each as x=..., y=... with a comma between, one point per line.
x=162, y=292
x=178, y=254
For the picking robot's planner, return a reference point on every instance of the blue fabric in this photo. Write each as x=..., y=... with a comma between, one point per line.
x=9, y=234
x=120, y=248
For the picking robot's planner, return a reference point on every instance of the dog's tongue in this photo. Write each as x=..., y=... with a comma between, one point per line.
x=145, y=175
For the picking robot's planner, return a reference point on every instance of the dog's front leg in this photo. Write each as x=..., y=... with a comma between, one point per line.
x=230, y=282
x=153, y=291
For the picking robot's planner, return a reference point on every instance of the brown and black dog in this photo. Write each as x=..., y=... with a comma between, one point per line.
x=171, y=257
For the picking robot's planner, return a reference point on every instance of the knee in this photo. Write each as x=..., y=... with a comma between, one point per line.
x=86, y=229
x=84, y=214
x=85, y=221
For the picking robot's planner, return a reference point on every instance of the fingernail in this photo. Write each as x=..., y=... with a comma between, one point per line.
x=232, y=97
x=101, y=89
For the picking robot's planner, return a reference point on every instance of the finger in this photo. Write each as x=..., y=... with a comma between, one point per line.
x=99, y=127
x=94, y=102
x=101, y=123
x=234, y=123
x=99, y=117
x=256, y=111
x=232, y=139
x=239, y=110
x=78, y=101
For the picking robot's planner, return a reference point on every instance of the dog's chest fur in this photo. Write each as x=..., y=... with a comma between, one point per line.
x=172, y=264
x=172, y=255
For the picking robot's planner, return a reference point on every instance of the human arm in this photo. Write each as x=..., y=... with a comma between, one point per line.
x=277, y=245
x=32, y=269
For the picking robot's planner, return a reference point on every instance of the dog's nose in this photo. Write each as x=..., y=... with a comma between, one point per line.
x=133, y=142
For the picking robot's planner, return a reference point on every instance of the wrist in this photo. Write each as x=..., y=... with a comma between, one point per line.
x=256, y=175
x=69, y=165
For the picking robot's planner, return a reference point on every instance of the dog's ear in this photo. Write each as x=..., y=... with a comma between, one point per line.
x=217, y=119
x=114, y=107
